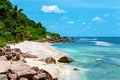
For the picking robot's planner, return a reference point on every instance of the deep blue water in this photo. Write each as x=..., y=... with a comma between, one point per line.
x=100, y=56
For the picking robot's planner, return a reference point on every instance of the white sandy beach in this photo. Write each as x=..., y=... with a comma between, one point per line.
x=43, y=50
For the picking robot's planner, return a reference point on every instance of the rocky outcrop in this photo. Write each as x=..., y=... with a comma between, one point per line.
x=12, y=66
x=21, y=71
x=14, y=54
x=65, y=59
x=53, y=40
x=42, y=74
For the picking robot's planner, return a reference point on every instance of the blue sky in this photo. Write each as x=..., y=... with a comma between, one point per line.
x=75, y=17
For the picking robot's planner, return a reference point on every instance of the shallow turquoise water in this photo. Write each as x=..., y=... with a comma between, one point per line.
x=100, y=58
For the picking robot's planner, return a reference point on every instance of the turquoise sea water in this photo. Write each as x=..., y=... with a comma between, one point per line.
x=100, y=57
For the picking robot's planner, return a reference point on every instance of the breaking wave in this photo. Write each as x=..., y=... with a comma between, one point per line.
x=101, y=43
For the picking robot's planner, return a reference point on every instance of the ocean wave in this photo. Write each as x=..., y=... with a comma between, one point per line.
x=101, y=43
x=88, y=39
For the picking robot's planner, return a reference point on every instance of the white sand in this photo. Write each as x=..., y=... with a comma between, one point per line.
x=43, y=50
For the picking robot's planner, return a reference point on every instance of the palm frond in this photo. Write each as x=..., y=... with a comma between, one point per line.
x=20, y=10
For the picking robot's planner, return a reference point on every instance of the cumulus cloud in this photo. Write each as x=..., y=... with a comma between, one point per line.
x=70, y=22
x=51, y=9
x=106, y=15
x=98, y=19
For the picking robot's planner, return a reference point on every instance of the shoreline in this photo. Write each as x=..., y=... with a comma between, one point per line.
x=43, y=50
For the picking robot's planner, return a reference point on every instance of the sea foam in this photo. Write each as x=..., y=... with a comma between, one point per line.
x=101, y=43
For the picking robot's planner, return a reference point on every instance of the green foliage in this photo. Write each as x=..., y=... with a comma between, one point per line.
x=16, y=27
x=7, y=36
x=2, y=42
x=36, y=32
x=54, y=35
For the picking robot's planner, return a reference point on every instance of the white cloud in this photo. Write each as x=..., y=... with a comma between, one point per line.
x=51, y=9
x=84, y=23
x=98, y=19
x=70, y=22
x=106, y=15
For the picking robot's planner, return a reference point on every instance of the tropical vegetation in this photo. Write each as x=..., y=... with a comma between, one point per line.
x=15, y=26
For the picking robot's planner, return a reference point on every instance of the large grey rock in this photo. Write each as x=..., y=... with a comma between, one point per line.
x=65, y=59
x=42, y=74
x=50, y=60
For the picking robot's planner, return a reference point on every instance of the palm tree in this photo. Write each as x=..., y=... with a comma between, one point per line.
x=16, y=12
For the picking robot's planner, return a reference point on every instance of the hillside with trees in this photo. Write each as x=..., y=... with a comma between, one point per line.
x=15, y=26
